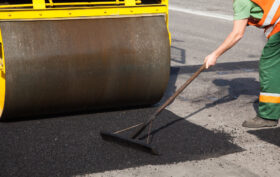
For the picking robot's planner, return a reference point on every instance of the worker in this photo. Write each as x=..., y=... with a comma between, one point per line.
x=264, y=14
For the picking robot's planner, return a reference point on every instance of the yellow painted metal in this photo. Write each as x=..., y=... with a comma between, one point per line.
x=52, y=4
x=42, y=10
x=130, y=2
x=165, y=2
x=39, y=4
x=80, y=12
x=2, y=76
x=1, y=57
x=15, y=6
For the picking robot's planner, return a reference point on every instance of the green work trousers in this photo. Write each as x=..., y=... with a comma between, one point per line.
x=269, y=68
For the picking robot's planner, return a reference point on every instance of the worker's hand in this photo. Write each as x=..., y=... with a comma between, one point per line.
x=210, y=60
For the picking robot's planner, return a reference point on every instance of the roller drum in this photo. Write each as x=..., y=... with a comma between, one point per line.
x=63, y=66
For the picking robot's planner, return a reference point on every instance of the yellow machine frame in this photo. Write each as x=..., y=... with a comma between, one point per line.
x=2, y=75
x=39, y=9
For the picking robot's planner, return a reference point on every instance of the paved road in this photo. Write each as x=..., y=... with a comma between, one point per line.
x=200, y=133
x=219, y=100
x=199, y=35
x=215, y=6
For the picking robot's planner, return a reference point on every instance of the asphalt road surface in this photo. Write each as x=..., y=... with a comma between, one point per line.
x=200, y=134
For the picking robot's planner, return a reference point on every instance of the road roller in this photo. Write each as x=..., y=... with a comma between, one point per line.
x=73, y=56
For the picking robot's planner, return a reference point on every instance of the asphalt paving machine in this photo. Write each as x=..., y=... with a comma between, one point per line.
x=62, y=56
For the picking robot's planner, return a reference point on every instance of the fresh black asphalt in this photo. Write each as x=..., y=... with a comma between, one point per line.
x=71, y=145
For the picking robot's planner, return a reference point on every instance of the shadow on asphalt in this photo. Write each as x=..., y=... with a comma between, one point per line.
x=268, y=135
x=180, y=55
x=71, y=145
x=239, y=86
x=236, y=87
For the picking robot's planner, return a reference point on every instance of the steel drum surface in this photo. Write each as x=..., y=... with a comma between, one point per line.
x=60, y=66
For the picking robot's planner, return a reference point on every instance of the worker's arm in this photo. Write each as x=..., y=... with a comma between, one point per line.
x=237, y=33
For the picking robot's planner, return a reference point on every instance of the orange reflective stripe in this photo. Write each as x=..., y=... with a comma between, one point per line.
x=269, y=99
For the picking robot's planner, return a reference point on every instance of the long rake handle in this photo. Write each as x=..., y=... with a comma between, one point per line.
x=182, y=88
x=170, y=100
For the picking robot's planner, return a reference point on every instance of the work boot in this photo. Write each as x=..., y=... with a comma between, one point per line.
x=259, y=122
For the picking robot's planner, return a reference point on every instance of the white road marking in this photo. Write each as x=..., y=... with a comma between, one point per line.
x=201, y=13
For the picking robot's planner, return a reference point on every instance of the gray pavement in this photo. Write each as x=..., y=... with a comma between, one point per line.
x=200, y=134
x=197, y=36
x=214, y=6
